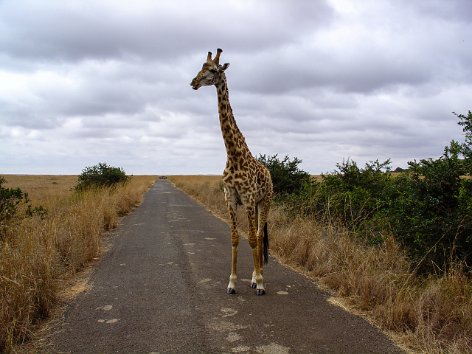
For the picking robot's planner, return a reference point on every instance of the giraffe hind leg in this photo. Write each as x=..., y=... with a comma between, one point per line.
x=265, y=244
x=253, y=279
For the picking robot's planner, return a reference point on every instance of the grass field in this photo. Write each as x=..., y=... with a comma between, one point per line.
x=429, y=315
x=39, y=254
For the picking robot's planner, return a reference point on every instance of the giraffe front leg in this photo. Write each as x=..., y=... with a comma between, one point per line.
x=231, y=289
x=260, y=290
x=257, y=278
x=258, y=251
x=233, y=276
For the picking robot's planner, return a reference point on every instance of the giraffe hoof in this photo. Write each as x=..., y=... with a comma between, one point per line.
x=230, y=291
x=260, y=292
x=253, y=285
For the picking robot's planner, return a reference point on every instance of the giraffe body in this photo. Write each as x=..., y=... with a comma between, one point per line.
x=246, y=180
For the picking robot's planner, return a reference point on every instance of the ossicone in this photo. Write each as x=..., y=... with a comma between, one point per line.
x=217, y=57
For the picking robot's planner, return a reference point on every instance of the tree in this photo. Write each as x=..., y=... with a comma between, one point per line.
x=466, y=147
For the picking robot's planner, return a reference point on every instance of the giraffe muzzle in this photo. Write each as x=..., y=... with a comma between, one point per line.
x=194, y=85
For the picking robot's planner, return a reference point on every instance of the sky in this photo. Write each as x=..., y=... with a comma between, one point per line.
x=83, y=82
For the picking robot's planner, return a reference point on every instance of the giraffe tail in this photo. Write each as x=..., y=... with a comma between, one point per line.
x=265, y=244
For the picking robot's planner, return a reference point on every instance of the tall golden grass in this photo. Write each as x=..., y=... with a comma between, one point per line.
x=38, y=254
x=425, y=314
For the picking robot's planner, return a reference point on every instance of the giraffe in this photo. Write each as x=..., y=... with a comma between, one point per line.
x=246, y=181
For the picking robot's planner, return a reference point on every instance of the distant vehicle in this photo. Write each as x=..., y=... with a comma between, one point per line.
x=162, y=177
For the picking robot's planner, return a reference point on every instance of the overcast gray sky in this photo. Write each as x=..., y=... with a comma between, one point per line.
x=83, y=82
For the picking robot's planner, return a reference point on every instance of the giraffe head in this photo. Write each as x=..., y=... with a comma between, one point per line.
x=211, y=72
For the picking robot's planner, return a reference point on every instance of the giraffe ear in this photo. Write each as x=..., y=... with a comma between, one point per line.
x=225, y=66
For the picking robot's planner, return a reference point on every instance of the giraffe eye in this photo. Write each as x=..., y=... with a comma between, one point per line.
x=213, y=71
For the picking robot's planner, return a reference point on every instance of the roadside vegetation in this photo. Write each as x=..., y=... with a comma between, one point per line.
x=101, y=175
x=396, y=247
x=50, y=228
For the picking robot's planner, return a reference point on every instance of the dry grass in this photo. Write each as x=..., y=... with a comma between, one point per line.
x=430, y=315
x=208, y=190
x=39, y=254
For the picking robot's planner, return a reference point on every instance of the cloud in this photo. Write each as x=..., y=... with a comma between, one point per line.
x=449, y=11
x=110, y=29
x=82, y=82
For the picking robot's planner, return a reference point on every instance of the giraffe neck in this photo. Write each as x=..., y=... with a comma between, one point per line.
x=235, y=143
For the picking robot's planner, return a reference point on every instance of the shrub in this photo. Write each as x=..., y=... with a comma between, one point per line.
x=287, y=177
x=428, y=207
x=11, y=201
x=356, y=197
x=431, y=211
x=357, y=194
x=10, y=198
x=101, y=175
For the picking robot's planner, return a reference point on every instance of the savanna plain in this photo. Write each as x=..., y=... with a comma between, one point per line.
x=41, y=253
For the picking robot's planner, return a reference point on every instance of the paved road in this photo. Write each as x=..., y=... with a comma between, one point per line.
x=161, y=288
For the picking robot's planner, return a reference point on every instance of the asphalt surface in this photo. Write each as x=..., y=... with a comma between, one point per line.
x=162, y=289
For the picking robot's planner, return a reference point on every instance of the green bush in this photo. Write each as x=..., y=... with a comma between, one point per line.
x=287, y=177
x=11, y=201
x=428, y=208
x=101, y=175
x=356, y=194
x=430, y=211
x=10, y=198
